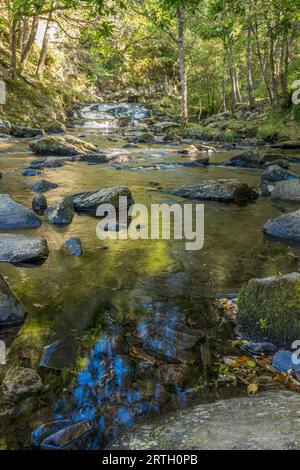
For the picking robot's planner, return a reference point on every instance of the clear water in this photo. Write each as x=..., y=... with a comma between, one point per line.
x=155, y=291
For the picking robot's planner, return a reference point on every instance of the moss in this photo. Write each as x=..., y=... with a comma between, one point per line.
x=269, y=310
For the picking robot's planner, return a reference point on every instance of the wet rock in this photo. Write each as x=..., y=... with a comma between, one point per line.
x=145, y=137
x=53, y=162
x=286, y=226
x=18, y=248
x=267, y=189
x=47, y=429
x=63, y=353
x=164, y=125
x=90, y=201
x=20, y=381
x=282, y=163
x=130, y=146
x=124, y=122
x=260, y=348
x=62, y=146
x=236, y=423
x=246, y=160
x=174, y=375
x=277, y=173
x=5, y=127
x=74, y=246
x=269, y=310
x=94, y=158
x=31, y=172
x=61, y=213
x=39, y=203
x=14, y=215
x=78, y=436
x=26, y=132
x=12, y=311
x=288, y=145
x=288, y=190
x=200, y=162
x=221, y=190
x=55, y=127
x=283, y=361
x=191, y=150
x=42, y=186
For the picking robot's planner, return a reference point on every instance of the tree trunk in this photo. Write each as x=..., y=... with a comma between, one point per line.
x=28, y=46
x=44, y=48
x=237, y=87
x=284, y=71
x=182, y=70
x=250, y=89
x=224, y=105
x=233, y=91
x=13, y=45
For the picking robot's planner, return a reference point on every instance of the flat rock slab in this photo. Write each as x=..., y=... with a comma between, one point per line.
x=14, y=215
x=17, y=248
x=286, y=226
x=91, y=200
x=269, y=420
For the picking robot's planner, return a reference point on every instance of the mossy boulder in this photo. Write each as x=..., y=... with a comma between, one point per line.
x=269, y=310
x=55, y=127
x=62, y=146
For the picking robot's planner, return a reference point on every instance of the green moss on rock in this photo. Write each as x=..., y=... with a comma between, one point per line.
x=269, y=309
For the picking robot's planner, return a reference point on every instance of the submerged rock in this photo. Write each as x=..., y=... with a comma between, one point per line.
x=90, y=201
x=42, y=186
x=277, y=173
x=12, y=311
x=78, y=436
x=20, y=381
x=47, y=429
x=64, y=146
x=269, y=310
x=53, y=162
x=31, y=172
x=145, y=137
x=23, y=132
x=286, y=226
x=18, y=248
x=74, y=246
x=288, y=190
x=39, y=203
x=55, y=127
x=220, y=190
x=14, y=215
x=61, y=213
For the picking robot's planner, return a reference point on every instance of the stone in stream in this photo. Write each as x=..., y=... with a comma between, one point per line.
x=284, y=361
x=74, y=246
x=47, y=429
x=286, y=226
x=191, y=150
x=5, y=127
x=14, y=215
x=265, y=421
x=247, y=160
x=145, y=137
x=61, y=213
x=130, y=146
x=77, y=436
x=39, y=203
x=288, y=190
x=62, y=146
x=54, y=162
x=55, y=127
x=89, y=201
x=42, y=186
x=277, y=173
x=31, y=172
x=94, y=158
x=266, y=189
x=12, y=311
x=20, y=381
x=288, y=145
x=269, y=310
x=19, y=248
x=26, y=132
x=230, y=190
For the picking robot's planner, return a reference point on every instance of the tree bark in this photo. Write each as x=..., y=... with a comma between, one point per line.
x=250, y=89
x=13, y=40
x=28, y=46
x=182, y=70
x=44, y=48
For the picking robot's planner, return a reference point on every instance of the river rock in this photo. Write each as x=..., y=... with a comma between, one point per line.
x=31, y=172
x=145, y=137
x=288, y=145
x=89, y=201
x=18, y=248
x=53, y=162
x=260, y=348
x=287, y=226
x=78, y=436
x=62, y=146
x=190, y=150
x=55, y=127
x=230, y=190
x=14, y=215
x=12, y=311
x=42, y=186
x=47, y=429
x=39, y=203
x=5, y=127
x=26, y=132
x=288, y=190
x=61, y=213
x=74, y=246
x=247, y=160
x=93, y=158
x=20, y=381
x=269, y=310
x=277, y=173
x=284, y=361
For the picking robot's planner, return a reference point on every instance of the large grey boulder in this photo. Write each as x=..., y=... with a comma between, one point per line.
x=62, y=146
x=288, y=190
x=230, y=190
x=61, y=213
x=18, y=248
x=269, y=309
x=55, y=127
x=20, y=381
x=11, y=310
x=14, y=215
x=277, y=173
x=89, y=201
x=286, y=226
